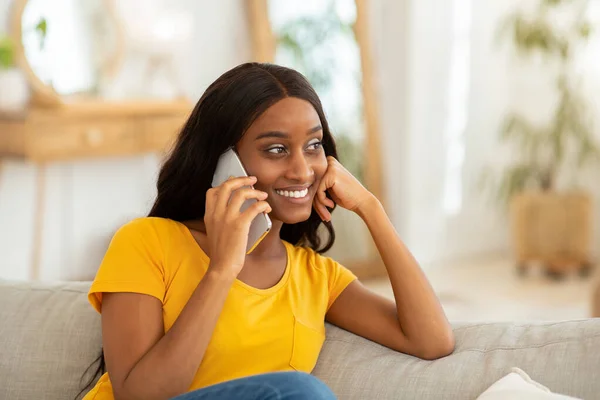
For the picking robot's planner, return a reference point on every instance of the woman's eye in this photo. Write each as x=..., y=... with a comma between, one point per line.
x=276, y=150
x=315, y=146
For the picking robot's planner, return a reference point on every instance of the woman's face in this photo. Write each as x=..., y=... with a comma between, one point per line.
x=282, y=148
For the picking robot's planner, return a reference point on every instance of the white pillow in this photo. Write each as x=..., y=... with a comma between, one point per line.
x=519, y=386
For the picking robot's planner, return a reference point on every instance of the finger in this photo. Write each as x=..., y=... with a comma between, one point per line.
x=318, y=209
x=336, y=199
x=323, y=186
x=328, y=202
x=232, y=183
x=209, y=204
x=326, y=182
x=240, y=196
x=226, y=188
x=332, y=162
x=259, y=207
x=210, y=198
x=322, y=210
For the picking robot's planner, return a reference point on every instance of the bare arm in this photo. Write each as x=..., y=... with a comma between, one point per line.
x=416, y=323
x=145, y=363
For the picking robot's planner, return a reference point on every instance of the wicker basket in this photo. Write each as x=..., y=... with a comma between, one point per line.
x=552, y=228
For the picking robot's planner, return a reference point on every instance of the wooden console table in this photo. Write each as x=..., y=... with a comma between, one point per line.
x=86, y=130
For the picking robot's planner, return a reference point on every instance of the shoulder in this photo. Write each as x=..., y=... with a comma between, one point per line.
x=141, y=244
x=319, y=271
x=147, y=224
x=136, y=260
x=146, y=227
x=310, y=258
x=148, y=234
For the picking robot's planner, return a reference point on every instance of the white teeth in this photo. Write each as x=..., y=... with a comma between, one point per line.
x=297, y=194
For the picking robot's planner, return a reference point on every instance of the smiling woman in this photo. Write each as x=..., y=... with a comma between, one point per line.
x=187, y=311
x=275, y=121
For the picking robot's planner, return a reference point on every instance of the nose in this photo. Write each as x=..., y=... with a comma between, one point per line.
x=299, y=168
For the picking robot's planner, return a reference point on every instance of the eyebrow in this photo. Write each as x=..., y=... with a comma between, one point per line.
x=283, y=135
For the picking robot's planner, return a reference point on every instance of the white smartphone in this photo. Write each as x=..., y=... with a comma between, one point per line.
x=229, y=165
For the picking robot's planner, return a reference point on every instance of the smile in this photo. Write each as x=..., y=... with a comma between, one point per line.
x=294, y=194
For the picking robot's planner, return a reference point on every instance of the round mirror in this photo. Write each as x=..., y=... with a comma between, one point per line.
x=70, y=46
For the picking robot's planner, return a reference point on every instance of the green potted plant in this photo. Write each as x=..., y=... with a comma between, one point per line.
x=14, y=90
x=550, y=222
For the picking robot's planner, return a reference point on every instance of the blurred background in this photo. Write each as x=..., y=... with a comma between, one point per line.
x=476, y=123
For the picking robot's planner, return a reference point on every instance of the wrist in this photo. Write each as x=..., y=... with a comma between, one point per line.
x=367, y=206
x=220, y=274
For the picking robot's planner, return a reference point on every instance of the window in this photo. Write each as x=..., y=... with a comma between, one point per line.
x=457, y=105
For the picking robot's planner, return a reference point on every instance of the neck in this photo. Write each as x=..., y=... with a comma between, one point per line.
x=271, y=244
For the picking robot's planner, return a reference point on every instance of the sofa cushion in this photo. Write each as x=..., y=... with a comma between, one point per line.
x=519, y=385
x=49, y=335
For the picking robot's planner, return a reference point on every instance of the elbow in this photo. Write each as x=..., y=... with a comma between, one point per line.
x=437, y=352
x=443, y=346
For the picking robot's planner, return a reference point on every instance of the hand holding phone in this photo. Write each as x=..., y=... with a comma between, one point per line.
x=228, y=166
x=227, y=226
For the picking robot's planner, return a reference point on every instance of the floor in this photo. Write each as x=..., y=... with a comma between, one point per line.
x=491, y=290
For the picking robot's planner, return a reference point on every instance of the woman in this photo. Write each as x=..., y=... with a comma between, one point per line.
x=185, y=312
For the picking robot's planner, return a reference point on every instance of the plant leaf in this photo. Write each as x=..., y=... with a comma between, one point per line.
x=7, y=52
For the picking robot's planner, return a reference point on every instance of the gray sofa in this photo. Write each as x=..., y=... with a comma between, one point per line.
x=49, y=334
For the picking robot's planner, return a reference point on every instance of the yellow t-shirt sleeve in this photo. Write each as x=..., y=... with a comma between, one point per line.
x=133, y=263
x=338, y=277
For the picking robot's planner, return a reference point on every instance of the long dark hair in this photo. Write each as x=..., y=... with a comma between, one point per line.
x=224, y=113
x=219, y=120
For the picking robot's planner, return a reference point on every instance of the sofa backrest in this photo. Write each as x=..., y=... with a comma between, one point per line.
x=49, y=335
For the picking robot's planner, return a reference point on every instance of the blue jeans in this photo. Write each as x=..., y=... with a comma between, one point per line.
x=273, y=386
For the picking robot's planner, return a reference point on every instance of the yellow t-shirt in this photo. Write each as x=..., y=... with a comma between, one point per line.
x=259, y=330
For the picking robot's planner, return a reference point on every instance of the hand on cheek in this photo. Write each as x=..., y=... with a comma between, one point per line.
x=320, y=204
x=344, y=189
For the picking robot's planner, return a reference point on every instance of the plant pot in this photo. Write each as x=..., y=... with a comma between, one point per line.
x=596, y=301
x=552, y=228
x=14, y=91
